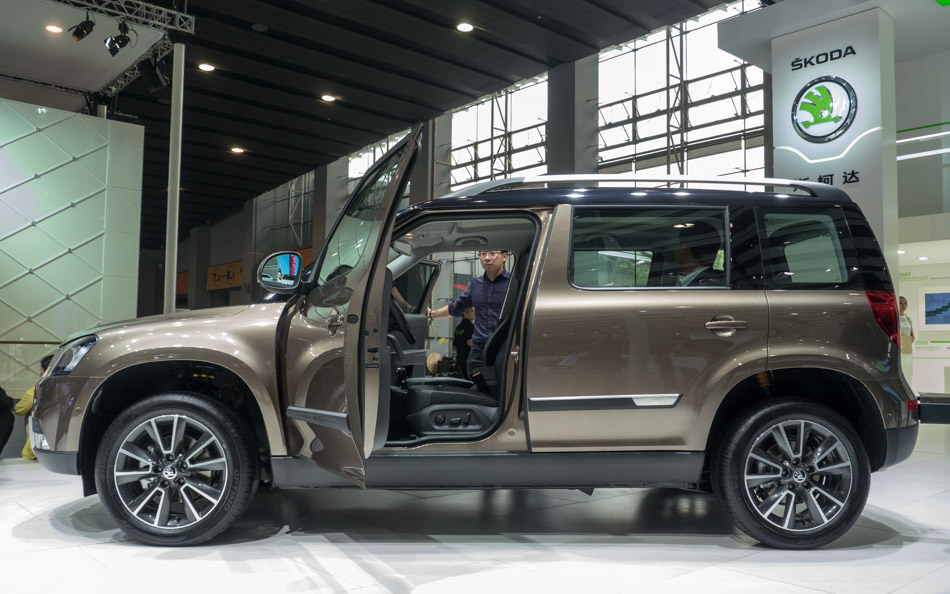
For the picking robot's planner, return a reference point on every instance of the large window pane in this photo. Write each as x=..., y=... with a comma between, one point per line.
x=655, y=88
x=621, y=248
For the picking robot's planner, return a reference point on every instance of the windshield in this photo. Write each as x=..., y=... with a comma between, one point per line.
x=357, y=232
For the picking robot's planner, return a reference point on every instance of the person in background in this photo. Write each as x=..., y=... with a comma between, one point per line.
x=907, y=329
x=25, y=405
x=463, y=341
x=907, y=339
x=7, y=420
x=486, y=294
x=699, y=245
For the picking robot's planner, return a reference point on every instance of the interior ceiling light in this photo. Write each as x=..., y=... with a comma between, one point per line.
x=54, y=28
x=206, y=67
x=922, y=258
x=82, y=29
x=328, y=98
x=465, y=27
x=901, y=252
x=236, y=149
x=114, y=44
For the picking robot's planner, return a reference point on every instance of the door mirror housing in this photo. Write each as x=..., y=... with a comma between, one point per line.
x=280, y=272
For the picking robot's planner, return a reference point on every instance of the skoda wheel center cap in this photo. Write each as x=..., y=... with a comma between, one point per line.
x=170, y=472
x=824, y=109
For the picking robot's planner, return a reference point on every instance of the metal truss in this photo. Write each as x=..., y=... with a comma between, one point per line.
x=139, y=13
x=676, y=99
x=135, y=12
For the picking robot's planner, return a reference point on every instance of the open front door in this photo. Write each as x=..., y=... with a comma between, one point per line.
x=335, y=354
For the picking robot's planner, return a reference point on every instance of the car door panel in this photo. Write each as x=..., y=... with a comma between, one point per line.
x=636, y=368
x=335, y=342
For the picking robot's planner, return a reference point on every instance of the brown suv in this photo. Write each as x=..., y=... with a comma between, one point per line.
x=740, y=341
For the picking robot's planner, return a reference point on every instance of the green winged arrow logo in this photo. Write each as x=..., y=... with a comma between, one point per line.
x=818, y=103
x=829, y=100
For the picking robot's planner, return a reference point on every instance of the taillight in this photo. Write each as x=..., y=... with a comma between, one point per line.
x=884, y=308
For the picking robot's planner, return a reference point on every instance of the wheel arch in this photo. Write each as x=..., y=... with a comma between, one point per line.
x=135, y=383
x=846, y=395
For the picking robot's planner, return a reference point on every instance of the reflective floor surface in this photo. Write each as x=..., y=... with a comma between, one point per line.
x=433, y=542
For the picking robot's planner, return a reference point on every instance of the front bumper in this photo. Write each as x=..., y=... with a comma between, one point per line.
x=59, y=462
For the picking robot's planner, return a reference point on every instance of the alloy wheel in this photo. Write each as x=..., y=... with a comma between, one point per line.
x=171, y=471
x=798, y=475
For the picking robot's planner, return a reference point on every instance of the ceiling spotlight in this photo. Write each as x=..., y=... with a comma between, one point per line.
x=901, y=252
x=465, y=27
x=922, y=258
x=114, y=44
x=328, y=98
x=206, y=67
x=82, y=29
x=54, y=29
x=236, y=149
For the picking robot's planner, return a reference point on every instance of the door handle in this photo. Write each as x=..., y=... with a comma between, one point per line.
x=725, y=326
x=334, y=321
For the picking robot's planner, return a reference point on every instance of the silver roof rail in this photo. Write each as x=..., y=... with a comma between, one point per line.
x=811, y=188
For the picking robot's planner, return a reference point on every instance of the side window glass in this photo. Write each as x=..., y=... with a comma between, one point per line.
x=622, y=248
x=803, y=248
x=409, y=290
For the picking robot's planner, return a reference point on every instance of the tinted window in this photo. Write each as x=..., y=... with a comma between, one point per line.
x=647, y=247
x=804, y=248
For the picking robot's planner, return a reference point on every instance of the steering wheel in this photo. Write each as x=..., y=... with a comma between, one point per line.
x=398, y=318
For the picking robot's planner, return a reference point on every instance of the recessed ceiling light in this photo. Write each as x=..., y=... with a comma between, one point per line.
x=465, y=27
x=236, y=149
x=259, y=27
x=54, y=29
x=923, y=258
x=206, y=67
x=901, y=252
x=328, y=98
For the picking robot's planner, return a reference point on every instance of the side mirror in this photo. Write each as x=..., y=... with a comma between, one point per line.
x=280, y=272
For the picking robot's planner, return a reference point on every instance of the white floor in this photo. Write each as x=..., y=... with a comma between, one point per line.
x=623, y=540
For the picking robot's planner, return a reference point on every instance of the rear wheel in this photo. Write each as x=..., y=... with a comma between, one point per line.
x=792, y=474
x=176, y=469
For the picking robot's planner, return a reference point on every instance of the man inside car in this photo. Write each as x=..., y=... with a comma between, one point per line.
x=486, y=294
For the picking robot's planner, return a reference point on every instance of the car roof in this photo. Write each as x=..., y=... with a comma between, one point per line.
x=526, y=196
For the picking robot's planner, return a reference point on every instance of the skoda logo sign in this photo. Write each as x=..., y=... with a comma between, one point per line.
x=824, y=109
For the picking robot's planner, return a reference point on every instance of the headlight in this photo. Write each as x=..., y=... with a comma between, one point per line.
x=72, y=354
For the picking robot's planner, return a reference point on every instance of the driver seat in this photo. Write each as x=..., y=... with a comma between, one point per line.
x=442, y=405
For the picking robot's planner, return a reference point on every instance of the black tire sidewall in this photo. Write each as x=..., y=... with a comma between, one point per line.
x=230, y=431
x=729, y=464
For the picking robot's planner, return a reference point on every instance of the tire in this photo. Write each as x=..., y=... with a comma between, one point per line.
x=762, y=471
x=181, y=491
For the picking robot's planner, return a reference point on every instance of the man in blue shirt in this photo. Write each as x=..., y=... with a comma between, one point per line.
x=486, y=294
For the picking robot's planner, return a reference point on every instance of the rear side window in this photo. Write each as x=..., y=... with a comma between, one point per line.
x=622, y=248
x=805, y=248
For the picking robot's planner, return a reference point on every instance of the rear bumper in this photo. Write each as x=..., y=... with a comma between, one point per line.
x=59, y=462
x=900, y=444
x=935, y=408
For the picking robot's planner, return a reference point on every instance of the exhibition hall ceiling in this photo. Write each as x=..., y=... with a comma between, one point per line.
x=387, y=63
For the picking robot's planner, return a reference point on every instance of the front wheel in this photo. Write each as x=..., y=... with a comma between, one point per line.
x=176, y=469
x=792, y=474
